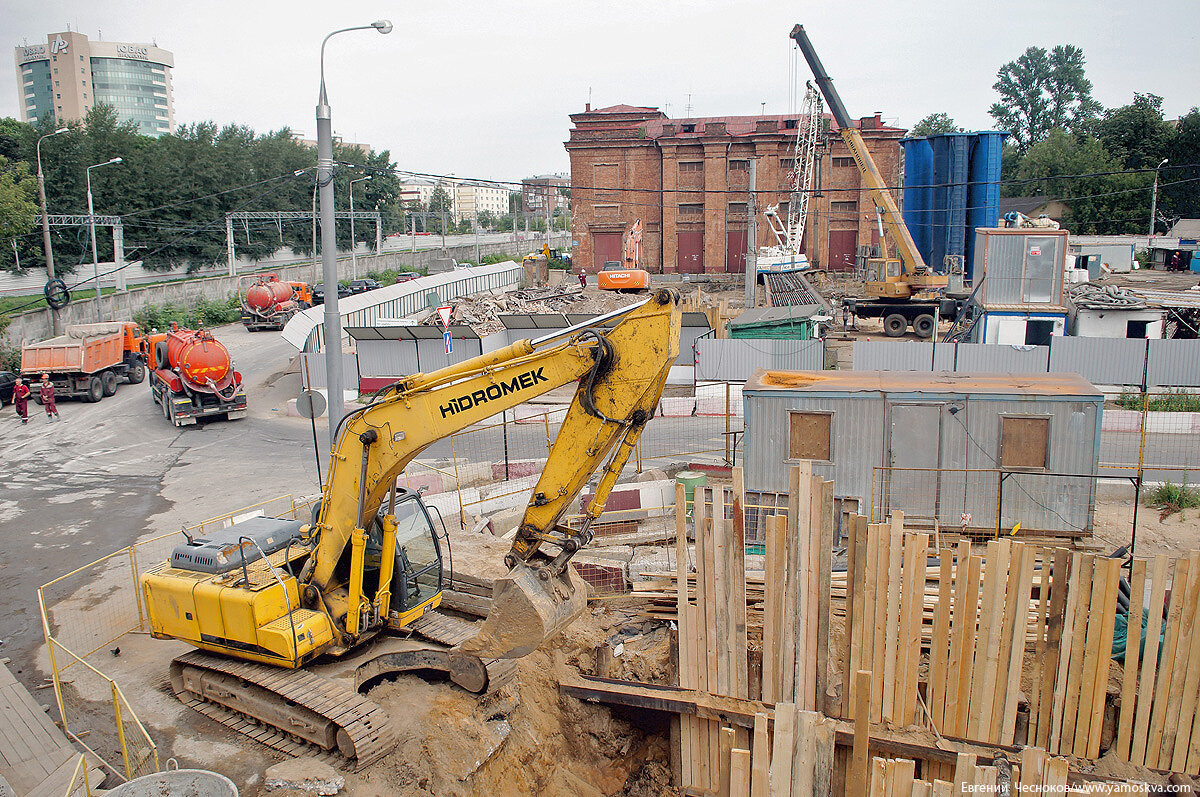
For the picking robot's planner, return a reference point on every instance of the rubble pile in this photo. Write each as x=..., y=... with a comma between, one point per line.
x=481, y=312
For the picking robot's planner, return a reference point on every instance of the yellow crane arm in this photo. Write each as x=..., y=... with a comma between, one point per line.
x=906, y=247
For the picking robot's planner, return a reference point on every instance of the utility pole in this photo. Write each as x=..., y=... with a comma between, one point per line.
x=751, y=237
x=1154, y=200
x=55, y=321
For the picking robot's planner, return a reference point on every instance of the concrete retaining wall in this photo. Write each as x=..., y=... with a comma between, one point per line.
x=36, y=325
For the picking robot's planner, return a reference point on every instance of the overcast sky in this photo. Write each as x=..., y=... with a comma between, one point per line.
x=484, y=89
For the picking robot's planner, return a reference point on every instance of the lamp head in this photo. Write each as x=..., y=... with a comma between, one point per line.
x=60, y=130
x=115, y=160
x=382, y=25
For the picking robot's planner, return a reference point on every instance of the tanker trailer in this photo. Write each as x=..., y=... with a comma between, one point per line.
x=192, y=376
x=267, y=302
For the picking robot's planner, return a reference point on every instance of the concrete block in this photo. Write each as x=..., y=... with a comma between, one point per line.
x=518, y=468
x=306, y=775
x=1171, y=422
x=1121, y=421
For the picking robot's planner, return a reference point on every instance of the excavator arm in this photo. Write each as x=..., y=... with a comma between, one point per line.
x=621, y=374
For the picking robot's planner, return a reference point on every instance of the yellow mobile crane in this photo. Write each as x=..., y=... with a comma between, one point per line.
x=268, y=596
x=900, y=290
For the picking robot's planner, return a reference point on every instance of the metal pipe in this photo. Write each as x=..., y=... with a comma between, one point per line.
x=591, y=322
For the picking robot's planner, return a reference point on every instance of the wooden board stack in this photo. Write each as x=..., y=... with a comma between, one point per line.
x=1036, y=773
x=884, y=605
x=712, y=619
x=1158, y=724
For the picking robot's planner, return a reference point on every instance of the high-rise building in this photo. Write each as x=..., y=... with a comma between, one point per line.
x=69, y=74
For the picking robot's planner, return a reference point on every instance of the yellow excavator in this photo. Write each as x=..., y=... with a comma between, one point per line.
x=267, y=597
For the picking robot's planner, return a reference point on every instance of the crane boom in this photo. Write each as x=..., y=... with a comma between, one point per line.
x=906, y=247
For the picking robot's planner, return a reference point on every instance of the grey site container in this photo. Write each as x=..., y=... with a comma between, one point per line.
x=939, y=434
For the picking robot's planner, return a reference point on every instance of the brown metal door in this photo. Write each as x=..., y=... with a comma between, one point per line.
x=735, y=251
x=606, y=247
x=843, y=244
x=689, y=257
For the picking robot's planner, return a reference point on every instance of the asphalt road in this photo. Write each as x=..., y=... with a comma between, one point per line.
x=112, y=472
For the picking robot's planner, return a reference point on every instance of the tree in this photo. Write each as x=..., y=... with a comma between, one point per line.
x=18, y=203
x=1041, y=91
x=934, y=124
x=486, y=219
x=1177, y=194
x=1100, y=203
x=440, y=204
x=1135, y=134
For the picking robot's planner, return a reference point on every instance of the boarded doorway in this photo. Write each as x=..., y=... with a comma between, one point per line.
x=914, y=441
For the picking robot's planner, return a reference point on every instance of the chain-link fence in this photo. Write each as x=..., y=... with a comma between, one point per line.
x=1155, y=435
x=85, y=616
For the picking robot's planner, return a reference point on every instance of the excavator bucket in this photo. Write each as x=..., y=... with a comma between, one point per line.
x=526, y=611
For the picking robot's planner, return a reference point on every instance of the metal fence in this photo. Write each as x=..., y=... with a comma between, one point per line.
x=1155, y=436
x=88, y=612
x=1102, y=361
x=736, y=359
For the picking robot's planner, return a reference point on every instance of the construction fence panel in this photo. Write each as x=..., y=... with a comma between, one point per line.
x=1174, y=363
x=1156, y=435
x=1101, y=361
x=736, y=360
x=909, y=355
x=312, y=371
x=996, y=358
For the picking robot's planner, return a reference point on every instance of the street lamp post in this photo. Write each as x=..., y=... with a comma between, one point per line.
x=92, y=230
x=46, y=246
x=333, y=322
x=1154, y=198
x=353, y=240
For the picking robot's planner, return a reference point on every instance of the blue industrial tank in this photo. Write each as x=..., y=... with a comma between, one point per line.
x=951, y=186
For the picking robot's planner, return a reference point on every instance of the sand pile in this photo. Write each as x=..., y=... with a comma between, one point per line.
x=528, y=739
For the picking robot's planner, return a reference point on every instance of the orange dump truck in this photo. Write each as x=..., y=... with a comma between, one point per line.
x=88, y=361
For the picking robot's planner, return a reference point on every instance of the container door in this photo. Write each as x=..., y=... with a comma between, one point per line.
x=606, y=246
x=690, y=252
x=1041, y=262
x=914, y=448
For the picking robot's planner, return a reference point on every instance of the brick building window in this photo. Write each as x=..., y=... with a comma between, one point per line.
x=687, y=128
x=789, y=124
x=809, y=435
x=787, y=164
x=843, y=209
x=739, y=166
x=843, y=162
x=691, y=167
x=737, y=210
x=691, y=210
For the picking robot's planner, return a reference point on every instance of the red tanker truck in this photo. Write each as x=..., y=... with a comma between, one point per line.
x=267, y=302
x=192, y=377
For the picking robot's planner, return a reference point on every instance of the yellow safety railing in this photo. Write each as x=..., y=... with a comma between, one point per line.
x=91, y=609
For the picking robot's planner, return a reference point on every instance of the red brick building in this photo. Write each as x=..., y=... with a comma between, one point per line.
x=687, y=180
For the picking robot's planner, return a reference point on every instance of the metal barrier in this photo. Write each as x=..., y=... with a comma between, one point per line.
x=79, y=786
x=1157, y=435
x=90, y=610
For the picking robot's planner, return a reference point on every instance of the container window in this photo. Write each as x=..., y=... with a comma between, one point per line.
x=1024, y=442
x=809, y=435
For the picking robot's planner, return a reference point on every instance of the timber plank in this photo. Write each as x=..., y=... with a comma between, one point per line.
x=1017, y=643
x=740, y=673
x=912, y=658
x=722, y=650
x=966, y=608
x=939, y=648
x=725, y=762
x=1158, y=715
x=805, y=760
x=760, y=766
x=1112, y=578
x=824, y=551
x=781, y=750
x=987, y=640
x=1133, y=634
x=892, y=630
x=775, y=579
x=1188, y=708
x=857, y=776
x=1146, y=684
x=1091, y=658
x=882, y=550
x=1061, y=577
x=1074, y=670
x=1179, y=672
x=855, y=596
x=739, y=773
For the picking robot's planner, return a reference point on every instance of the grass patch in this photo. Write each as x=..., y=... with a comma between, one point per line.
x=1171, y=498
x=205, y=312
x=1171, y=401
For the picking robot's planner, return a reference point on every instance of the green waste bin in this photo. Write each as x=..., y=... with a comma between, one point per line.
x=690, y=480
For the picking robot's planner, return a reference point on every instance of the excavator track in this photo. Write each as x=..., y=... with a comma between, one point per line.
x=289, y=710
x=450, y=631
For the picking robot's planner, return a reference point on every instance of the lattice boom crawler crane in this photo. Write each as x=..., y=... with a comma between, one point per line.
x=268, y=596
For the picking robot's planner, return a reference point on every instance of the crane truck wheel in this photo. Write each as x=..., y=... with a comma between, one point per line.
x=924, y=326
x=108, y=383
x=894, y=325
x=95, y=390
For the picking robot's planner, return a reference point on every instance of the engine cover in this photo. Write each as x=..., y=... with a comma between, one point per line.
x=221, y=551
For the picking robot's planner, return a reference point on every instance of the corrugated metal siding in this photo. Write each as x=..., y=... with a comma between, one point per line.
x=1101, y=361
x=996, y=358
x=1005, y=259
x=1173, y=362
x=873, y=355
x=304, y=331
x=969, y=439
x=730, y=360
x=312, y=371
